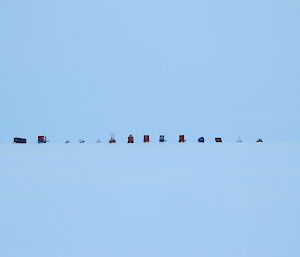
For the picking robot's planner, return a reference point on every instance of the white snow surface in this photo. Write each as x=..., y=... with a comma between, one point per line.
x=150, y=200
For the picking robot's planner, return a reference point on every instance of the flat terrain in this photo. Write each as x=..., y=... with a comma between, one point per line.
x=154, y=200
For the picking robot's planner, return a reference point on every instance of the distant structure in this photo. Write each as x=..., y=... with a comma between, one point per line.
x=18, y=140
x=130, y=139
x=201, y=140
x=42, y=140
x=239, y=140
x=112, y=139
x=181, y=139
x=162, y=138
x=146, y=139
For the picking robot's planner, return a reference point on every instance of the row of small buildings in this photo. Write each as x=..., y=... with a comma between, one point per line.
x=130, y=139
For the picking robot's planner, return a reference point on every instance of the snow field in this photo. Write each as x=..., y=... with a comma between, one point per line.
x=135, y=200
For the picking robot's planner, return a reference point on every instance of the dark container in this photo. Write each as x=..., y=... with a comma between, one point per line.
x=162, y=138
x=218, y=140
x=130, y=139
x=146, y=138
x=18, y=140
x=181, y=139
x=201, y=140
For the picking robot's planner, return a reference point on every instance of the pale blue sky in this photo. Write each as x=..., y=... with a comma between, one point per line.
x=71, y=69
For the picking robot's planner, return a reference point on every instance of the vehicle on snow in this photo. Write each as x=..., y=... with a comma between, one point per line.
x=42, y=139
x=201, y=140
x=19, y=140
x=218, y=139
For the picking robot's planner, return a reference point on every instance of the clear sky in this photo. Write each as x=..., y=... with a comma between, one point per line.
x=74, y=69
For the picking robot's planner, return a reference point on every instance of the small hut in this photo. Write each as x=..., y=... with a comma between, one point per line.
x=162, y=138
x=146, y=138
x=130, y=139
x=181, y=139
